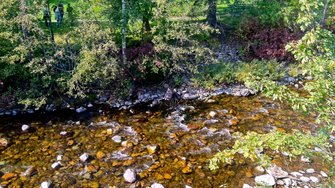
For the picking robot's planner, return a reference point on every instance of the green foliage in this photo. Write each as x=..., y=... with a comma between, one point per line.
x=256, y=147
x=251, y=74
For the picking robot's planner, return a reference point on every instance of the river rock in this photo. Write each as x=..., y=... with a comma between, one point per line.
x=305, y=159
x=45, y=184
x=151, y=149
x=212, y=114
x=304, y=179
x=157, y=185
x=59, y=157
x=84, y=157
x=296, y=174
x=280, y=182
x=31, y=170
x=287, y=182
x=63, y=133
x=246, y=186
x=8, y=176
x=277, y=172
x=56, y=165
x=323, y=174
x=310, y=170
x=265, y=180
x=4, y=142
x=117, y=139
x=129, y=176
x=314, y=179
x=25, y=127
x=80, y=109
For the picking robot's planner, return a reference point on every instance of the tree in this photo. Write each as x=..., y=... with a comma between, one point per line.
x=211, y=13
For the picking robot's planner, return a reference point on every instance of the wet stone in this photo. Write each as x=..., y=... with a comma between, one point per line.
x=117, y=139
x=246, y=186
x=157, y=185
x=296, y=174
x=129, y=176
x=314, y=179
x=80, y=109
x=59, y=157
x=8, y=176
x=304, y=179
x=287, y=181
x=4, y=142
x=323, y=174
x=265, y=180
x=46, y=184
x=25, y=127
x=84, y=157
x=310, y=170
x=56, y=165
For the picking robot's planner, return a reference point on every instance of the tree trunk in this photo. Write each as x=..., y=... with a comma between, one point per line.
x=124, y=25
x=211, y=14
x=146, y=24
x=50, y=24
x=23, y=8
x=324, y=13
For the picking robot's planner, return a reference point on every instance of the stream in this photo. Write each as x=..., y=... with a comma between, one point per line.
x=165, y=145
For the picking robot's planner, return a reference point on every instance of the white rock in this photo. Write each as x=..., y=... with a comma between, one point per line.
x=246, y=186
x=45, y=184
x=187, y=186
x=81, y=109
x=259, y=169
x=296, y=174
x=55, y=165
x=117, y=139
x=212, y=113
x=302, y=172
x=25, y=127
x=90, y=105
x=305, y=159
x=59, y=157
x=304, y=179
x=124, y=143
x=277, y=172
x=287, y=181
x=323, y=174
x=157, y=185
x=129, y=176
x=84, y=157
x=265, y=180
x=314, y=179
x=310, y=170
x=280, y=182
x=294, y=183
x=63, y=133
x=317, y=149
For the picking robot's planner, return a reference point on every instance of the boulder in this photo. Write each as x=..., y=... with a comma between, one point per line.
x=265, y=180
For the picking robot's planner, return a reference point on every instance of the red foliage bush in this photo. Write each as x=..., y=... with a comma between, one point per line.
x=135, y=53
x=270, y=44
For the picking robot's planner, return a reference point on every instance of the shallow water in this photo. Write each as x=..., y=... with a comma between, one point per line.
x=185, y=138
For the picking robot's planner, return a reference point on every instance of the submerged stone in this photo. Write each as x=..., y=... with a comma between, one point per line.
x=80, y=109
x=157, y=185
x=25, y=127
x=129, y=176
x=45, y=184
x=84, y=157
x=117, y=139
